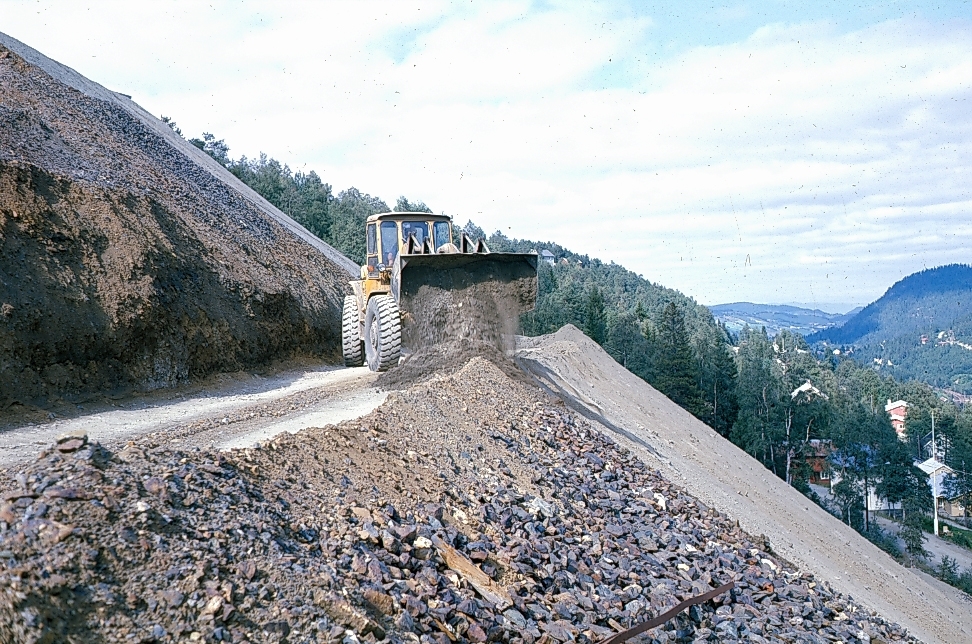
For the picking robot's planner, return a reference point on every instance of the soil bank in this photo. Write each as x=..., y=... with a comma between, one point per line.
x=129, y=259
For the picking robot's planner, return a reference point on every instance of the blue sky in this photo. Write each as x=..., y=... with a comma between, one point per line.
x=761, y=151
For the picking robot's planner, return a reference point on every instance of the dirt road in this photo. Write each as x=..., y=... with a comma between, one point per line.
x=238, y=414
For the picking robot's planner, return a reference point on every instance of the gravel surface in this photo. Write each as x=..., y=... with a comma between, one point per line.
x=721, y=475
x=230, y=412
x=129, y=260
x=469, y=508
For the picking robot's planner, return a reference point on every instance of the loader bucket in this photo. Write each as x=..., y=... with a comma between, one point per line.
x=463, y=296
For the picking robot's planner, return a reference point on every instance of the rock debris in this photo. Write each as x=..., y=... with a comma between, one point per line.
x=468, y=508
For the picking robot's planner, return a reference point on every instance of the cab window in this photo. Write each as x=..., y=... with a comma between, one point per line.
x=372, y=248
x=419, y=228
x=389, y=243
x=372, y=240
x=441, y=236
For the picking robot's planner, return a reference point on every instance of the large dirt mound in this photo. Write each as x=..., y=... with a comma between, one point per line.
x=353, y=532
x=130, y=259
x=721, y=475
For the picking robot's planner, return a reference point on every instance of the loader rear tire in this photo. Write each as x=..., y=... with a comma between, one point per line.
x=350, y=333
x=383, y=333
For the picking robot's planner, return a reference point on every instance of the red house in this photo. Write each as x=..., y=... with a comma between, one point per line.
x=817, y=460
x=898, y=411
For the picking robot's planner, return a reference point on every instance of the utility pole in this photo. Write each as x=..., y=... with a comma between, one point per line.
x=934, y=478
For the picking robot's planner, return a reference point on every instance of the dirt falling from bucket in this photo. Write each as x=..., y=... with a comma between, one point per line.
x=455, y=315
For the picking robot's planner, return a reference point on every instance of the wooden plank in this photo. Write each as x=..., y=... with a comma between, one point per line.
x=486, y=587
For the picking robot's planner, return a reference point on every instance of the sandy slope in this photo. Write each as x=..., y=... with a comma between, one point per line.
x=723, y=476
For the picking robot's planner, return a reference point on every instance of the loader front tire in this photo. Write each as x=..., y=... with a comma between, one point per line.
x=350, y=334
x=383, y=333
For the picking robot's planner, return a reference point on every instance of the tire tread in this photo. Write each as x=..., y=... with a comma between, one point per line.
x=389, y=330
x=351, y=344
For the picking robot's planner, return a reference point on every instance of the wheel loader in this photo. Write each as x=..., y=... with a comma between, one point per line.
x=411, y=257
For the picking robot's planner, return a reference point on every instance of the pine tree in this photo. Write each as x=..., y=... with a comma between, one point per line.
x=719, y=388
x=404, y=205
x=628, y=345
x=595, y=325
x=675, y=374
x=911, y=532
x=757, y=429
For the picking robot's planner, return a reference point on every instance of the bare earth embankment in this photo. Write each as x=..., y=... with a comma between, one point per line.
x=130, y=260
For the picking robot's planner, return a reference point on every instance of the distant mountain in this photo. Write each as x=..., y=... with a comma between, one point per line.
x=921, y=328
x=776, y=317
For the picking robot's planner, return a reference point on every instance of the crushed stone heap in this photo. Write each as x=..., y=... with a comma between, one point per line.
x=131, y=260
x=468, y=508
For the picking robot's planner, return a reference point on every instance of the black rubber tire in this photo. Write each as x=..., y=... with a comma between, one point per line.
x=383, y=333
x=351, y=334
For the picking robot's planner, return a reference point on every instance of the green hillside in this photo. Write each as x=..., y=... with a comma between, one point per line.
x=921, y=329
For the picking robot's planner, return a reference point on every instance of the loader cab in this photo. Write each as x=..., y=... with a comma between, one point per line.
x=388, y=233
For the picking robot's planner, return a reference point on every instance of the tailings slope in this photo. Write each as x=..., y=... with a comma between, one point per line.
x=722, y=476
x=131, y=260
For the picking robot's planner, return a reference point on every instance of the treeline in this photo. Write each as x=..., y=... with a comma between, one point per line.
x=788, y=397
x=789, y=401
x=771, y=397
x=929, y=300
x=940, y=362
x=338, y=219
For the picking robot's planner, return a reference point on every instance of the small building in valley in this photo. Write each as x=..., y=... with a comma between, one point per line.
x=954, y=507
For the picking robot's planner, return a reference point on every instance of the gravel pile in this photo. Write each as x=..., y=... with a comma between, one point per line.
x=464, y=509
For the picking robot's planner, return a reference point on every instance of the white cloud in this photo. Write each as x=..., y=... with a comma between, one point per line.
x=800, y=159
